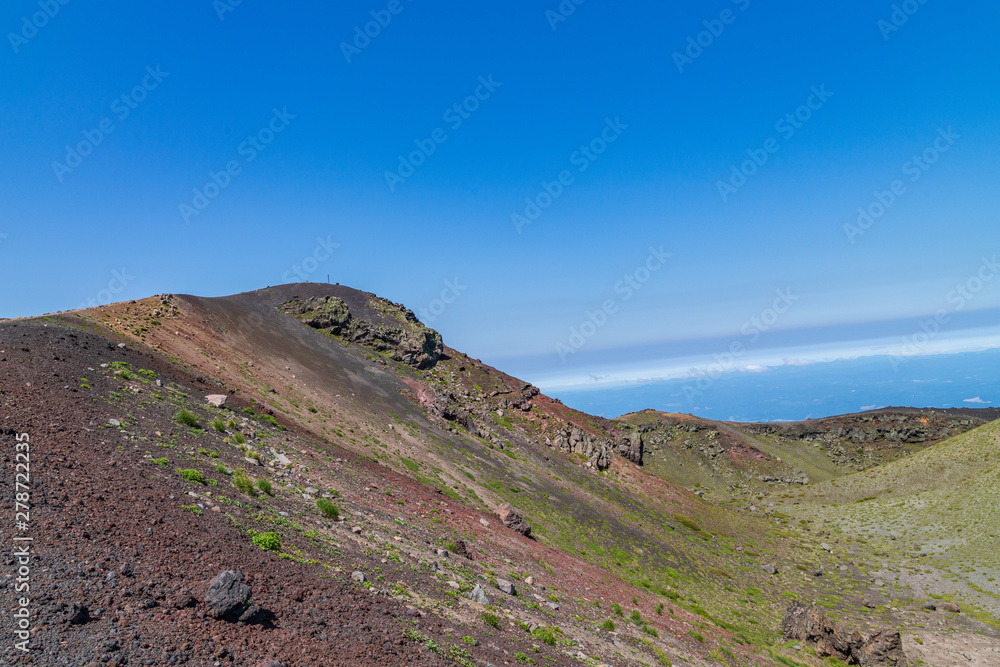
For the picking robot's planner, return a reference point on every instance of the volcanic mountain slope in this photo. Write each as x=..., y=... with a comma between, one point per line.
x=745, y=462
x=141, y=496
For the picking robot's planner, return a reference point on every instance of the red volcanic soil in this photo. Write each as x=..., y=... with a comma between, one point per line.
x=111, y=537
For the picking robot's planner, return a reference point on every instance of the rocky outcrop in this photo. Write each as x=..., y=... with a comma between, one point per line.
x=630, y=446
x=409, y=342
x=882, y=648
x=513, y=520
x=577, y=441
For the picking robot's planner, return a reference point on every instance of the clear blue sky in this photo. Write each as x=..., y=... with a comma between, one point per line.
x=329, y=121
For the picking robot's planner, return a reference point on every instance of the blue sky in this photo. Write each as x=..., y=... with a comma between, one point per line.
x=590, y=116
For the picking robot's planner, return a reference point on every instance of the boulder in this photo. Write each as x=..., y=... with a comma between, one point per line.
x=358, y=576
x=953, y=608
x=506, y=586
x=218, y=400
x=479, y=595
x=513, y=520
x=227, y=593
x=881, y=648
x=770, y=568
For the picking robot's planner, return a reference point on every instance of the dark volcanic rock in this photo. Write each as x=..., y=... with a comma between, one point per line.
x=78, y=614
x=227, y=593
x=401, y=336
x=882, y=648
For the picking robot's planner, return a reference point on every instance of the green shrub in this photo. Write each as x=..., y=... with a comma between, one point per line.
x=243, y=483
x=265, y=486
x=162, y=461
x=268, y=541
x=636, y=617
x=617, y=608
x=187, y=418
x=697, y=636
x=608, y=625
x=690, y=523
x=659, y=609
x=328, y=508
x=219, y=425
x=547, y=635
x=313, y=410
x=192, y=475
x=221, y=469
x=650, y=630
x=239, y=438
x=491, y=620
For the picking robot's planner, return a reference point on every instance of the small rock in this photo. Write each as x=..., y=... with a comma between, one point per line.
x=78, y=614
x=442, y=552
x=461, y=549
x=529, y=580
x=825, y=547
x=250, y=614
x=114, y=422
x=769, y=568
x=357, y=530
x=930, y=606
x=218, y=400
x=950, y=607
x=358, y=576
x=484, y=522
x=455, y=585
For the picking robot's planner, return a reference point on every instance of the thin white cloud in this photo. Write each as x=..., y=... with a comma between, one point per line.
x=977, y=400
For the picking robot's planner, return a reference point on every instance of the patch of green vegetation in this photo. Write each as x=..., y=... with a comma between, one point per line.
x=243, y=483
x=265, y=486
x=267, y=541
x=328, y=508
x=187, y=418
x=547, y=634
x=490, y=619
x=192, y=475
x=164, y=461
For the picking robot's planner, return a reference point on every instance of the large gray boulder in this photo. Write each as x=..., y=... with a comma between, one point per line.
x=506, y=586
x=227, y=593
x=479, y=595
